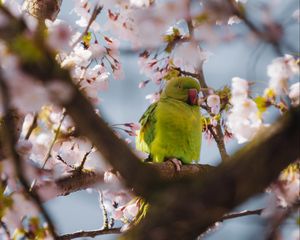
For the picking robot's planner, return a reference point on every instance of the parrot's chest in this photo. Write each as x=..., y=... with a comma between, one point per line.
x=178, y=131
x=178, y=118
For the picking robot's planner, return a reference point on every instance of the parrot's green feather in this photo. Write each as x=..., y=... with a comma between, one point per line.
x=147, y=133
x=171, y=128
x=177, y=132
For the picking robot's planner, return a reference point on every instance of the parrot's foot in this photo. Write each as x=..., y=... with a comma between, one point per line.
x=177, y=163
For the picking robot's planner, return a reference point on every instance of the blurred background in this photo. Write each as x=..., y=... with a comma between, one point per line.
x=125, y=102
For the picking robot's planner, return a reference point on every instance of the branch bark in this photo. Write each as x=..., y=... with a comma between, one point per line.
x=188, y=207
x=81, y=180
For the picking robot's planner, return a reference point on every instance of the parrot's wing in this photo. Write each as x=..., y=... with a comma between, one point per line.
x=146, y=134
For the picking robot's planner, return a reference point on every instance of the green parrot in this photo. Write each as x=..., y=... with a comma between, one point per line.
x=171, y=127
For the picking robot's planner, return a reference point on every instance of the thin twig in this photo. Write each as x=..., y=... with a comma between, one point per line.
x=218, y=135
x=241, y=214
x=33, y=125
x=264, y=36
x=228, y=216
x=219, y=138
x=58, y=157
x=84, y=159
x=104, y=211
x=5, y=228
x=94, y=15
x=90, y=234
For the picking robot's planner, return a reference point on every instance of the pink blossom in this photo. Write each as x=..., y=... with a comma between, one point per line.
x=189, y=57
x=24, y=146
x=294, y=94
x=59, y=35
x=97, y=50
x=109, y=177
x=213, y=100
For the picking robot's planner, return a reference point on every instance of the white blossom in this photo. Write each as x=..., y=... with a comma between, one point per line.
x=234, y=20
x=97, y=50
x=213, y=100
x=140, y=3
x=239, y=89
x=294, y=93
x=59, y=35
x=79, y=57
x=243, y=120
x=189, y=57
x=279, y=71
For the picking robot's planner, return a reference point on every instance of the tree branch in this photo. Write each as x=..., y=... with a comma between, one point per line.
x=81, y=180
x=218, y=135
x=241, y=214
x=96, y=11
x=202, y=201
x=90, y=234
x=266, y=36
x=219, y=138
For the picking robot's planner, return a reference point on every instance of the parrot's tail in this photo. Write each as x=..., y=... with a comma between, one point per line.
x=143, y=207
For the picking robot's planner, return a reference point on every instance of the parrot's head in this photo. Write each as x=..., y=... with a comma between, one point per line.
x=184, y=89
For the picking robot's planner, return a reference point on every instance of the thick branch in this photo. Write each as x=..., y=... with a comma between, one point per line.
x=201, y=201
x=80, y=180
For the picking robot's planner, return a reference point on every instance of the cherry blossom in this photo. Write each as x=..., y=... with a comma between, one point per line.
x=243, y=120
x=59, y=35
x=279, y=71
x=188, y=56
x=294, y=94
x=239, y=89
x=140, y=3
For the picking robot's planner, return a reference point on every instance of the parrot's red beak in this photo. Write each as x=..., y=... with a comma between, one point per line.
x=193, y=96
